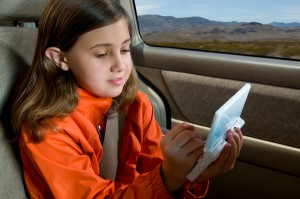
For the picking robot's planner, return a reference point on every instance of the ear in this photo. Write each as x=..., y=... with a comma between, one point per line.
x=56, y=55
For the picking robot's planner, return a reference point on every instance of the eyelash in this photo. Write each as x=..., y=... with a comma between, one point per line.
x=103, y=55
x=126, y=51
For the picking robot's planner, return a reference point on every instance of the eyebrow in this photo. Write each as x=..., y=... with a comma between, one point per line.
x=108, y=44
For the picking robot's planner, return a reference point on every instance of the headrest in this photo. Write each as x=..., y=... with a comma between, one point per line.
x=22, y=10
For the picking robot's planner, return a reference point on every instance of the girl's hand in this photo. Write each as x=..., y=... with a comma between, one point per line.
x=181, y=148
x=227, y=158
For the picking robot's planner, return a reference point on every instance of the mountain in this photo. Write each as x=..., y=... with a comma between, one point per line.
x=156, y=28
x=158, y=22
x=281, y=24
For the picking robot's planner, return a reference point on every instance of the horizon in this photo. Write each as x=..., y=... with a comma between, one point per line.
x=222, y=21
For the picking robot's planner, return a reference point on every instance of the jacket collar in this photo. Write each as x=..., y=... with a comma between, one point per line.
x=88, y=102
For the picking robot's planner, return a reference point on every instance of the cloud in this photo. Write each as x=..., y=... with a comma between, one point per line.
x=291, y=15
x=146, y=8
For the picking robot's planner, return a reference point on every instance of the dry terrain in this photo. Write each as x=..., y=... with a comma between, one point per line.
x=274, y=40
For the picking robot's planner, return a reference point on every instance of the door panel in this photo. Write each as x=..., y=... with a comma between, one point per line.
x=276, y=108
x=270, y=153
x=249, y=181
x=269, y=105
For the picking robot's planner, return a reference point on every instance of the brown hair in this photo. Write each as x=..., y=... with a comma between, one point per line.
x=47, y=91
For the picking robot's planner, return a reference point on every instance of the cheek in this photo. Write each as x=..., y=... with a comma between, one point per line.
x=129, y=66
x=88, y=73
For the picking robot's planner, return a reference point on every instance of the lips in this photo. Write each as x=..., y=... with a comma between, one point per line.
x=116, y=81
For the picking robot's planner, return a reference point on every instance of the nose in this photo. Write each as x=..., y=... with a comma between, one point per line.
x=117, y=64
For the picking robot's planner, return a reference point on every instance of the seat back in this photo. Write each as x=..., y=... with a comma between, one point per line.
x=18, y=35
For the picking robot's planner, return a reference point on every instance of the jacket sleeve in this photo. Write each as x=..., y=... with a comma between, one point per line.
x=150, y=148
x=195, y=190
x=56, y=168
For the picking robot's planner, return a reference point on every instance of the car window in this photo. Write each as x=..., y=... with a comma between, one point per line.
x=260, y=28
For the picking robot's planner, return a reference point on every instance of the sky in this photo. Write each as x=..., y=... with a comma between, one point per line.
x=263, y=11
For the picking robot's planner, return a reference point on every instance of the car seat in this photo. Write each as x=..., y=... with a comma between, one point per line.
x=18, y=35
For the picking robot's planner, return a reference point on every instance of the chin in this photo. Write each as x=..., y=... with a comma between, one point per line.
x=114, y=94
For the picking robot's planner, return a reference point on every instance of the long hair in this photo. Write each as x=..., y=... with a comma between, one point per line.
x=48, y=93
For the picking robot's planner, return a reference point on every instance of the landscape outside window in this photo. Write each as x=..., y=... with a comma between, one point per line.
x=263, y=28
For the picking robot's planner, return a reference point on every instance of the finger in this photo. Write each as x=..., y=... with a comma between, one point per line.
x=187, y=144
x=233, y=150
x=237, y=143
x=223, y=157
x=226, y=159
x=184, y=137
x=193, y=150
x=193, y=146
x=218, y=167
x=238, y=137
x=240, y=134
x=177, y=130
x=182, y=144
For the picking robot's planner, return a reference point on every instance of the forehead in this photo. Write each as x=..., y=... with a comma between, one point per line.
x=114, y=33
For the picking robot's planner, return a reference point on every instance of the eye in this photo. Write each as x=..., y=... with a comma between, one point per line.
x=101, y=55
x=124, y=51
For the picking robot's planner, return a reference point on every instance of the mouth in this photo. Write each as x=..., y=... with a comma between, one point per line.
x=116, y=81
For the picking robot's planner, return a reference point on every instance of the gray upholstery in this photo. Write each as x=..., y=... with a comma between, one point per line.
x=158, y=104
x=11, y=183
x=16, y=51
x=277, y=109
x=17, y=45
x=21, y=9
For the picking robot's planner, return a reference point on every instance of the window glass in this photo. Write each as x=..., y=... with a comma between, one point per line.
x=262, y=28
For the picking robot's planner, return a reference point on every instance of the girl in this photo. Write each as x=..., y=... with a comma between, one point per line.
x=82, y=64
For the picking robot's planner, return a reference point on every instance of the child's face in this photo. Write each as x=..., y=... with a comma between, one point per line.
x=101, y=61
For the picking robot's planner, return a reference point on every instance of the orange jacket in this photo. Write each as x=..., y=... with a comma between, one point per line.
x=66, y=164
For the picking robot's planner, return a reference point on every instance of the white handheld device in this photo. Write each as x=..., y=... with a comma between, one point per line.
x=225, y=118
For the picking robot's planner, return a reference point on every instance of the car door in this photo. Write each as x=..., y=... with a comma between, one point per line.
x=190, y=85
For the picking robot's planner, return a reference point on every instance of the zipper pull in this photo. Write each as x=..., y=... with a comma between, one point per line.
x=100, y=132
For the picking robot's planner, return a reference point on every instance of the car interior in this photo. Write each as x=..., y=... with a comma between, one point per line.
x=183, y=85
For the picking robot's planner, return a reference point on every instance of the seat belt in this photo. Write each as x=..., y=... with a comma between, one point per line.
x=112, y=143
